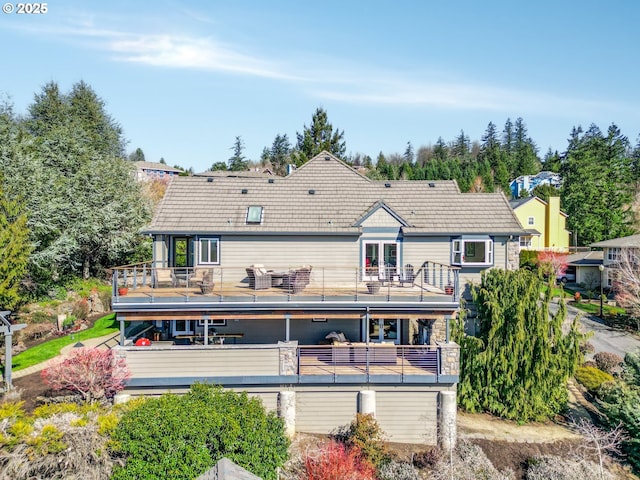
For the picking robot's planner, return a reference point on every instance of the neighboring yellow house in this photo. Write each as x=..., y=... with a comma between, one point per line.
x=545, y=223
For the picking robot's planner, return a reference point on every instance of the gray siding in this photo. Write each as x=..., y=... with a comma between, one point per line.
x=323, y=410
x=408, y=416
x=206, y=361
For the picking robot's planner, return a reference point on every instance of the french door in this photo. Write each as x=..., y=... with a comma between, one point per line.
x=380, y=260
x=384, y=330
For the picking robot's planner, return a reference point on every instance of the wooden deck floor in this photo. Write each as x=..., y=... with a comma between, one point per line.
x=243, y=290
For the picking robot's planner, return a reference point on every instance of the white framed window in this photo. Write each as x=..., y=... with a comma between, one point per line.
x=209, y=251
x=254, y=215
x=214, y=323
x=525, y=241
x=531, y=221
x=472, y=251
x=613, y=254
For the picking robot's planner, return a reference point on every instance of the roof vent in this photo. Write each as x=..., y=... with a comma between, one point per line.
x=387, y=185
x=271, y=180
x=244, y=191
x=327, y=158
x=431, y=184
x=210, y=179
x=312, y=192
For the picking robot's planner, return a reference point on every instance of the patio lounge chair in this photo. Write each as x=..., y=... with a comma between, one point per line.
x=259, y=278
x=299, y=279
x=408, y=275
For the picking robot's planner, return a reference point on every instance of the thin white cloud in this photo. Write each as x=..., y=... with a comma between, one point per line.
x=348, y=83
x=459, y=96
x=186, y=52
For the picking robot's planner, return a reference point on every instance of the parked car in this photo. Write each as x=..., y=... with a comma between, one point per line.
x=566, y=277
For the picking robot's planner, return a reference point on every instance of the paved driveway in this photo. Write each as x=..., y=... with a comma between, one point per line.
x=604, y=339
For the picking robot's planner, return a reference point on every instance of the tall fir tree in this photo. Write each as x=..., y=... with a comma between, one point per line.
x=15, y=249
x=237, y=162
x=597, y=190
x=319, y=136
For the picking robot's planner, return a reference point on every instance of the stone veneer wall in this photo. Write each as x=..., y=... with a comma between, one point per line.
x=450, y=358
x=513, y=254
x=288, y=358
x=438, y=330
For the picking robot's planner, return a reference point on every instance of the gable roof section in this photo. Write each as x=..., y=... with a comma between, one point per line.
x=327, y=197
x=377, y=208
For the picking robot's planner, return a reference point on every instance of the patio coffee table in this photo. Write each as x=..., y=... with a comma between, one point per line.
x=277, y=278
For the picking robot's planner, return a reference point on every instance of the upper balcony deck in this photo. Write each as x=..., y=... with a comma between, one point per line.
x=430, y=284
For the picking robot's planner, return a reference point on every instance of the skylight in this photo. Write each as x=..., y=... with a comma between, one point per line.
x=254, y=215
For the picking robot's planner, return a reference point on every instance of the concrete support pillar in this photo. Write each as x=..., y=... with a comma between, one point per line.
x=287, y=411
x=447, y=421
x=367, y=402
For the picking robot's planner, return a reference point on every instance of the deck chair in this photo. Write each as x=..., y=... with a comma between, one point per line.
x=408, y=275
x=259, y=279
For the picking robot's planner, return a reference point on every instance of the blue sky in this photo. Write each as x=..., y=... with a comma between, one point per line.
x=185, y=78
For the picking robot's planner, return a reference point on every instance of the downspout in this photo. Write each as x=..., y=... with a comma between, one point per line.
x=506, y=253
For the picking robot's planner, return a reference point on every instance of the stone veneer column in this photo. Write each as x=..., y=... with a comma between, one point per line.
x=288, y=357
x=367, y=402
x=287, y=411
x=447, y=420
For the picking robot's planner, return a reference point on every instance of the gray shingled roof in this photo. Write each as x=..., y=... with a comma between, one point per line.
x=341, y=198
x=632, y=241
x=156, y=166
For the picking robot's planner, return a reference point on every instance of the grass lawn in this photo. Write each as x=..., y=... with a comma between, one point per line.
x=47, y=350
x=594, y=308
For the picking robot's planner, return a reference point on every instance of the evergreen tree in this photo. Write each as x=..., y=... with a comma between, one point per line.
x=597, y=188
x=440, y=150
x=138, y=156
x=491, y=152
x=545, y=191
x=526, y=160
x=408, y=153
x=508, y=148
x=84, y=207
x=319, y=136
x=15, y=249
x=280, y=154
x=518, y=366
x=237, y=162
x=552, y=161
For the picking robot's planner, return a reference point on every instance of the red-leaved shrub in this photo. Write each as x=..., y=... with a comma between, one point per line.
x=335, y=461
x=93, y=373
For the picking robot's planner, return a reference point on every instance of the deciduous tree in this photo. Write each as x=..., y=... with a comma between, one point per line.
x=93, y=373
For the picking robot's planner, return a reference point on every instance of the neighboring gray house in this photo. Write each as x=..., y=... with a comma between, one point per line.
x=612, y=251
x=324, y=293
x=155, y=171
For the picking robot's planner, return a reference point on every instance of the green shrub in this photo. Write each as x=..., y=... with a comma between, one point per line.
x=181, y=437
x=365, y=434
x=591, y=378
x=529, y=259
x=81, y=309
x=40, y=316
x=608, y=362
